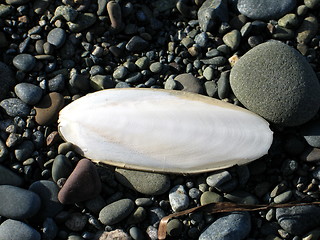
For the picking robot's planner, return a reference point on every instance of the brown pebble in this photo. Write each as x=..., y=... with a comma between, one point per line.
x=114, y=12
x=83, y=184
x=48, y=108
x=53, y=138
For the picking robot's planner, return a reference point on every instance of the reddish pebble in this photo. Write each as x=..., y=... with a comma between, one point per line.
x=83, y=184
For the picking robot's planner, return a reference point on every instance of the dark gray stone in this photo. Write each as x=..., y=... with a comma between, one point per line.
x=14, y=230
x=24, y=150
x=136, y=44
x=3, y=151
x=49, y=230
x=18, y=203
x=61, y=167
x=265, y=9
x=57, y=83
x=29, y=93
x=7, y=177
x=15, y=107
x=224, y=85
x=276, y=82
x=232, y=226
x=298, y=220
x=24, y=62
x=57, y=37
x=7, y=80
x=311, y=133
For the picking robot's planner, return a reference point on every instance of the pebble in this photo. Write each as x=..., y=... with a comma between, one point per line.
x=48, y=108
x=241, y=197
x=61, y=167
x=211, y=12
x=307, y=30
x=298, y=220
x=57, y=83
x=18, y=203
x=310, y=155
x=48, y=193
x=115, y=234
x=311, y=133
x=232, y=226
x=67, y=12
x=142, y=63
x=50, y=229
x=7, y=80
x=208, y=73
x=15, y=107
x=289, y=20
x=211, y=88
x=280, y=104
x=120, y=72
x=155, y=214
x=83, y=184
x=232, y=39
x=116, y=211
x=24, y=62
x=138, y=216
x=178, y=198
x=39, y=6
x=224, y=85
x=218, y=178
x=100, y=82
x=8, y=177
x=57, y=37
x=143, y=182
x=174, y=228
x=136, y=44
x=114, y=12
x=76, y=221
x=210, y=197
x=156, y=67
x=283, y=197
x=265, y=10
x=312, y=3
x=14, y=230
x=201, y=39
x=24, y=150
x=136, y=233
x=28, y=93
x=82, y=22
x=188, y=82
x=96, y=204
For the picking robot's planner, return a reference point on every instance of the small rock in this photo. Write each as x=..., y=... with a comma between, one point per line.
x=224, y=85
x=49, y=229
x=208, y=73
x=3, y=151
x=232, y=226
x=120, y=72
x=14, y=230
x=312, y=3
x=143, y=182
x=210, y=197
x=114, y=12
x=7, y=177
x=7, y=80
x=136, y=44
x=138, y=216
x=241, y=197
x=24, y=150
x=189, y=83
x=82, y=22
x=57, y=37
x=116, y=211
x=136, y=233
x=310, y=155
x=48, y=108
x=156, y=67
x=115, y=234
x=83, y=184
x=307, y=30
x=67, y=12
x=289, y=20
x=174, y=228
x=29, y=93
x=76, y=222
x=232, y=39
x=283, y=197
x=155, y=215
x=100, y=82
x=201, y=39
x=57, y=84
x=39, y=6
x=218, y=178
x=18, y=203
x=96, y=204
x=142, y=63
x=61, y=167
x=15, y=107
x=24, y=62
x=178, y=198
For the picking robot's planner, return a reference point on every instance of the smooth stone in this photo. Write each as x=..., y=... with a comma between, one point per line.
x=178, y=198
x=142, y=63
x=15, y=107
x=61, y=167
x=120, y=72
x=283, y=33
x=115, y=16
x=96, y=204
x=48, y=108
x=29, y=93
x=218, y=178
x=48, y=193
x=24, y=150
x=290, y=102
x=138, y=216
x=24, y=62
x=312, y=3
x=155, y=214
x=40, y=6
x=289, y=20
x=8, y=177
x=133, y=77
x=211, y=13
x=16, y=230
x=82, y=22
x=136, y=44
x=241, y=197
x=223, y=83
x=187, y=82
x=217, y=61
x=18, y=203
x=83, y=184
x=16, y=2
x=311, y=155
x=7, y=80
x=143, y=182
x=232, y=226
x=211, y=88
x=57, y=37
x=3, y=151
x=201, y=39
x=49, y=229
x=311, y=133
x=210, y=197
x=116, y=211
x=76, y=221
x=209, y=73
x=298, y=220
x=156, y=67
x=6, y=10
x=265, y=9
x=136, y=233
x=283, y=197
x=316, y=173
x=174, y=228
x=57, y=83
x=307, y=30
x=232, y=39
x=100, y=82
x=67, y=12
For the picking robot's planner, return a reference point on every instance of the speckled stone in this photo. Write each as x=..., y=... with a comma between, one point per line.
x=255, y=81
x=24, y=62
x=48, y=108
x=178, y=198
x=116, y=211
x=143, y=182
x=29, y=93
x=16, y=230
x=15, y=107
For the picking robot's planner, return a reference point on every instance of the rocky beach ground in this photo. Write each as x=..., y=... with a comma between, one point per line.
x=261, y=55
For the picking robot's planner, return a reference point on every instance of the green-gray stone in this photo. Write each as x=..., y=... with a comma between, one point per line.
x=82, y=22
x=307, y=30
x=210, y=197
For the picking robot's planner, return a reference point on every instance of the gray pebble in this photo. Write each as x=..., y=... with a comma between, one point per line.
x=210, y=197
x=96, y=204
x=29, y=93
x=133, y=77
x=120, y=72
x=142, y=63
x=67, y=12
x=24, y=62
x=122, y=85
x=242, y=197
x=136, y=44
x=18, y=203
x=189, y=83
x=138, y=216
x=99, y=82
x=178, y=198
x=155, y=214
x=7, y=177
x=208, y=73
x=156, y=67
x=82, y=22
x=224, y=85
x=170, y=84
x=24, y=150
x=49, y=229
x=211, y=88
x=61, y=167
x=174, y=228
x=15, y=107
x=143, y=202
x=5, y=10
x=39, y=6
x=283, y=197
x=218, y=178
x=311, y=133
x=14, y=230
x=57, y=84
x=307, y=30
x=201, y=39
x=57, y=37
x=7, y=80
x=232, y=226
x=136, y=233
x=217, y=61
x=116, y=211
x=3, y=151
x=289, y=20
x=232, y=39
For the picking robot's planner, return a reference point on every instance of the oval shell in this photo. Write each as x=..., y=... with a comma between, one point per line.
x=163, y=131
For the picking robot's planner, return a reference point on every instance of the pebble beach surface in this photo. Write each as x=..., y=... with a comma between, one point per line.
x=263, y=55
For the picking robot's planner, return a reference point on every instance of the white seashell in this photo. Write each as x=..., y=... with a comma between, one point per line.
x=163, y=131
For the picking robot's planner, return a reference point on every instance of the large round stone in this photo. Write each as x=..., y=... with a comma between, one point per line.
x=276, y=82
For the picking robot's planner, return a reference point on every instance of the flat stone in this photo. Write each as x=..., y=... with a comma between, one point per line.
x=24, y=62
x=187, y=82
x=143, y=182
x=83, y=184
x=178, y=198
x=18, y=203
x=255, y=82
x=48, y=108
x=265, y=9
x=14, y=230
x=8, y=177
x=57, y=37
x=298, y=220
x=28, y=93
x=116, y=211
x=15, y=107
x=232, y=226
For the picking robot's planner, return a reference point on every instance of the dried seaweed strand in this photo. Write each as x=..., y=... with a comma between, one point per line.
x=221, y=207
